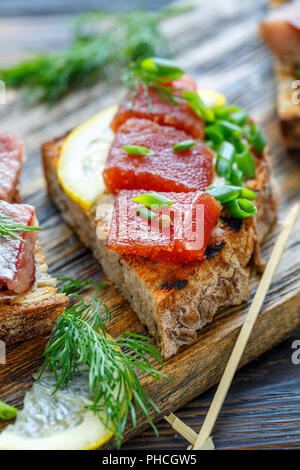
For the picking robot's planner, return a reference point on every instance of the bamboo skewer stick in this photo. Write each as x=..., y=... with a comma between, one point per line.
x=245, y=332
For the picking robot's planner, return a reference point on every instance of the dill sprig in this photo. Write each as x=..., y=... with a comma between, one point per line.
x=102, y=44
x=8, y=228
x=80, y=338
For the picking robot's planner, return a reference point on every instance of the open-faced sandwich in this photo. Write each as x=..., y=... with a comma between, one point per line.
x=172, y=192
x=281, y=31
x=29, y=303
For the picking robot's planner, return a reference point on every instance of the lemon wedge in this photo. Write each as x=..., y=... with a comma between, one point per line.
x=83, y=156
x=211, y=98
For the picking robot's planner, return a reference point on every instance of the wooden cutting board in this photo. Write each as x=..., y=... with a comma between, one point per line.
x=232, y=61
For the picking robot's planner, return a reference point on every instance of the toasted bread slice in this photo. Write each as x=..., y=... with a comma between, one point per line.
x=173, y=301
x=34, y=313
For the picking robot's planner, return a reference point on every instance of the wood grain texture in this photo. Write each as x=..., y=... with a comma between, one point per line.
x=218, y=45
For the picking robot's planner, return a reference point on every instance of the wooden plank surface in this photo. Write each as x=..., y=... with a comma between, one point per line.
x=218, y=45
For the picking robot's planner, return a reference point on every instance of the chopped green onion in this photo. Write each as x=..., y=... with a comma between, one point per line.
x=7, y=411
x=224, y=112
x=214, y=133
x=225, y=159
x=227, y=151
x=153, y=199
x=245, y=161
x=239, y=117
x=224, y=192
x=241, y=208
x=198, y=105
x=256, y=138
x=247, y=193
x=163, y=67
x=223, y=167
x=236, y=177
x=135, y=150
x=146, y=213
x=230, y=129
x=184, y=145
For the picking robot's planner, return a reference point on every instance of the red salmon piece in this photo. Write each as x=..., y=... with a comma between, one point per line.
x=17, y=267
x=181, y=117
x=178, y=234
x=166, y=169
x=11, y=157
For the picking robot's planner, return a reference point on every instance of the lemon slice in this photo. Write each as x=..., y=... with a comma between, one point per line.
x=211, y=98
x=83, y=156
x=56, y=422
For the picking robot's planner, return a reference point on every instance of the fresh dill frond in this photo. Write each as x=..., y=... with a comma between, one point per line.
x=102, y=45
x=8, y=228
x=69, y=286
x=80, y=337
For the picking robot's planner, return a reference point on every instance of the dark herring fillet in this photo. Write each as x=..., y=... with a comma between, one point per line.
x=17, y=267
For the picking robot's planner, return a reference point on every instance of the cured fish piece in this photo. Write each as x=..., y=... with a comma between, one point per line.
x=281, y=31
x=164, y=169
x=181, y=117
x=178, y=234
x=11, y=158
x=17, y=266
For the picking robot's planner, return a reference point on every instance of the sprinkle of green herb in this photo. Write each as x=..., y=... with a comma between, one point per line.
x=80, y=337
x=8, y=228
x=153, y=199
x=198, y=106
x=135, y=150
x=184, y=145
x=146, y=213
x=69, y=286
x=7, y=411
x=241, y=208
x=214, y=133
x=245, y=161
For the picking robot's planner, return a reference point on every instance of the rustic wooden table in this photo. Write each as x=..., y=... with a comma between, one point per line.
x=218, y=44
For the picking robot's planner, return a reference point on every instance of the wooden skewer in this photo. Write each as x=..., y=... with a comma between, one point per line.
x=245, y=332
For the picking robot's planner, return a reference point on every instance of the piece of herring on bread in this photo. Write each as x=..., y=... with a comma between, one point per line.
x=173, y=301
x=34, y=313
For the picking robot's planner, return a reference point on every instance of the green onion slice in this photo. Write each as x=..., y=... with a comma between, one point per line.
x=135, y=150
x=236, y=177
x=241, y=208
x=223, y=167
x=7, y=411
x=239, y=117
x=162, y=67
x=198, y=105
x=214, y=133
x=153, y=199
x=230, y=129
x=184, y=145
x=226, y=151
x=146, y=213
x=225, y=192
x=256, y=138
x=245, y=162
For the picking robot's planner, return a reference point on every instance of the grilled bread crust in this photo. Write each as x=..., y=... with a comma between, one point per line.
x=34, y=313
x=288, y=111
x=174, y=301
